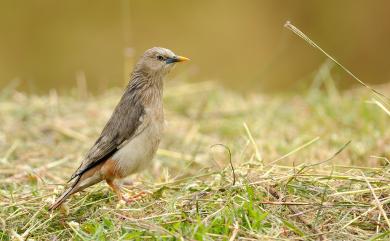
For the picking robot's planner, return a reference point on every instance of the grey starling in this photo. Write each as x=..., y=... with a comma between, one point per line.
x=131, y=137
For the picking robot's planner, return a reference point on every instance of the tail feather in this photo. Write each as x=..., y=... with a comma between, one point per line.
x=87, y=179
x=65, y=195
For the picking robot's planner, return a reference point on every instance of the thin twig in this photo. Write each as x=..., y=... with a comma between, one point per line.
x=380, y=105
x=298, y=32
x=235, y=231
x=333, y=156
x=230, y=160
x=377, y=202
x=318, y=163
x=252, y=140
x=295, y=150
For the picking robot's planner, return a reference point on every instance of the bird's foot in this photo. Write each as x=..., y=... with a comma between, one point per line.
x=135, y=197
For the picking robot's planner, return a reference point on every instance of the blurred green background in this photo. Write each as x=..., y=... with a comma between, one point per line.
x=46, y=44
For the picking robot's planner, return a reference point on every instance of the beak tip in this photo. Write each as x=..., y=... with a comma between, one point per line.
x=182, y=59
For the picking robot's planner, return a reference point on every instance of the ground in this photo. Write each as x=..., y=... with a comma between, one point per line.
x=309, y=166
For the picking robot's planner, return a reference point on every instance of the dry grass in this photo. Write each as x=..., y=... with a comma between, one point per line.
x=297, y=177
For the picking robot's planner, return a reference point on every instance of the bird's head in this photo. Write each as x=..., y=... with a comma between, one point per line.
x=159, y=60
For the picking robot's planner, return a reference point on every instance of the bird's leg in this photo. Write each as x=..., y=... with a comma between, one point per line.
x=115, y=188
x=134, y=197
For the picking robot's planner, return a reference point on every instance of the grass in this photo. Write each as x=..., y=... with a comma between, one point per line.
x=313, y=166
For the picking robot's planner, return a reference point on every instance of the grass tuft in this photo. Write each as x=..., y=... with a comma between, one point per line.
x=280, y=168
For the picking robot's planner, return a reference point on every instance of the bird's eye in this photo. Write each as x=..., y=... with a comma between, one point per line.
x=159, y=57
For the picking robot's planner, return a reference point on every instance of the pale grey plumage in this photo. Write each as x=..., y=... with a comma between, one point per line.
x=131, y=136
x=127, y=114
x=122, y=125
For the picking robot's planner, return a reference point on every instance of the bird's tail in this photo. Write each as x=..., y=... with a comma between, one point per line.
x=65, y=195
x=87, y=179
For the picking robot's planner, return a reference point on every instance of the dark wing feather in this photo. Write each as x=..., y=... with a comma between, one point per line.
x=122, y=125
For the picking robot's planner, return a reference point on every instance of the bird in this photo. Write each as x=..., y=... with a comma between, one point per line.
x=130, y=138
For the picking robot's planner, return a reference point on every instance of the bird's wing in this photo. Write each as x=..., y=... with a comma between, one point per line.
x=125, y=123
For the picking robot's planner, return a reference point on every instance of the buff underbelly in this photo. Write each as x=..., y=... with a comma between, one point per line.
x=137, y=154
